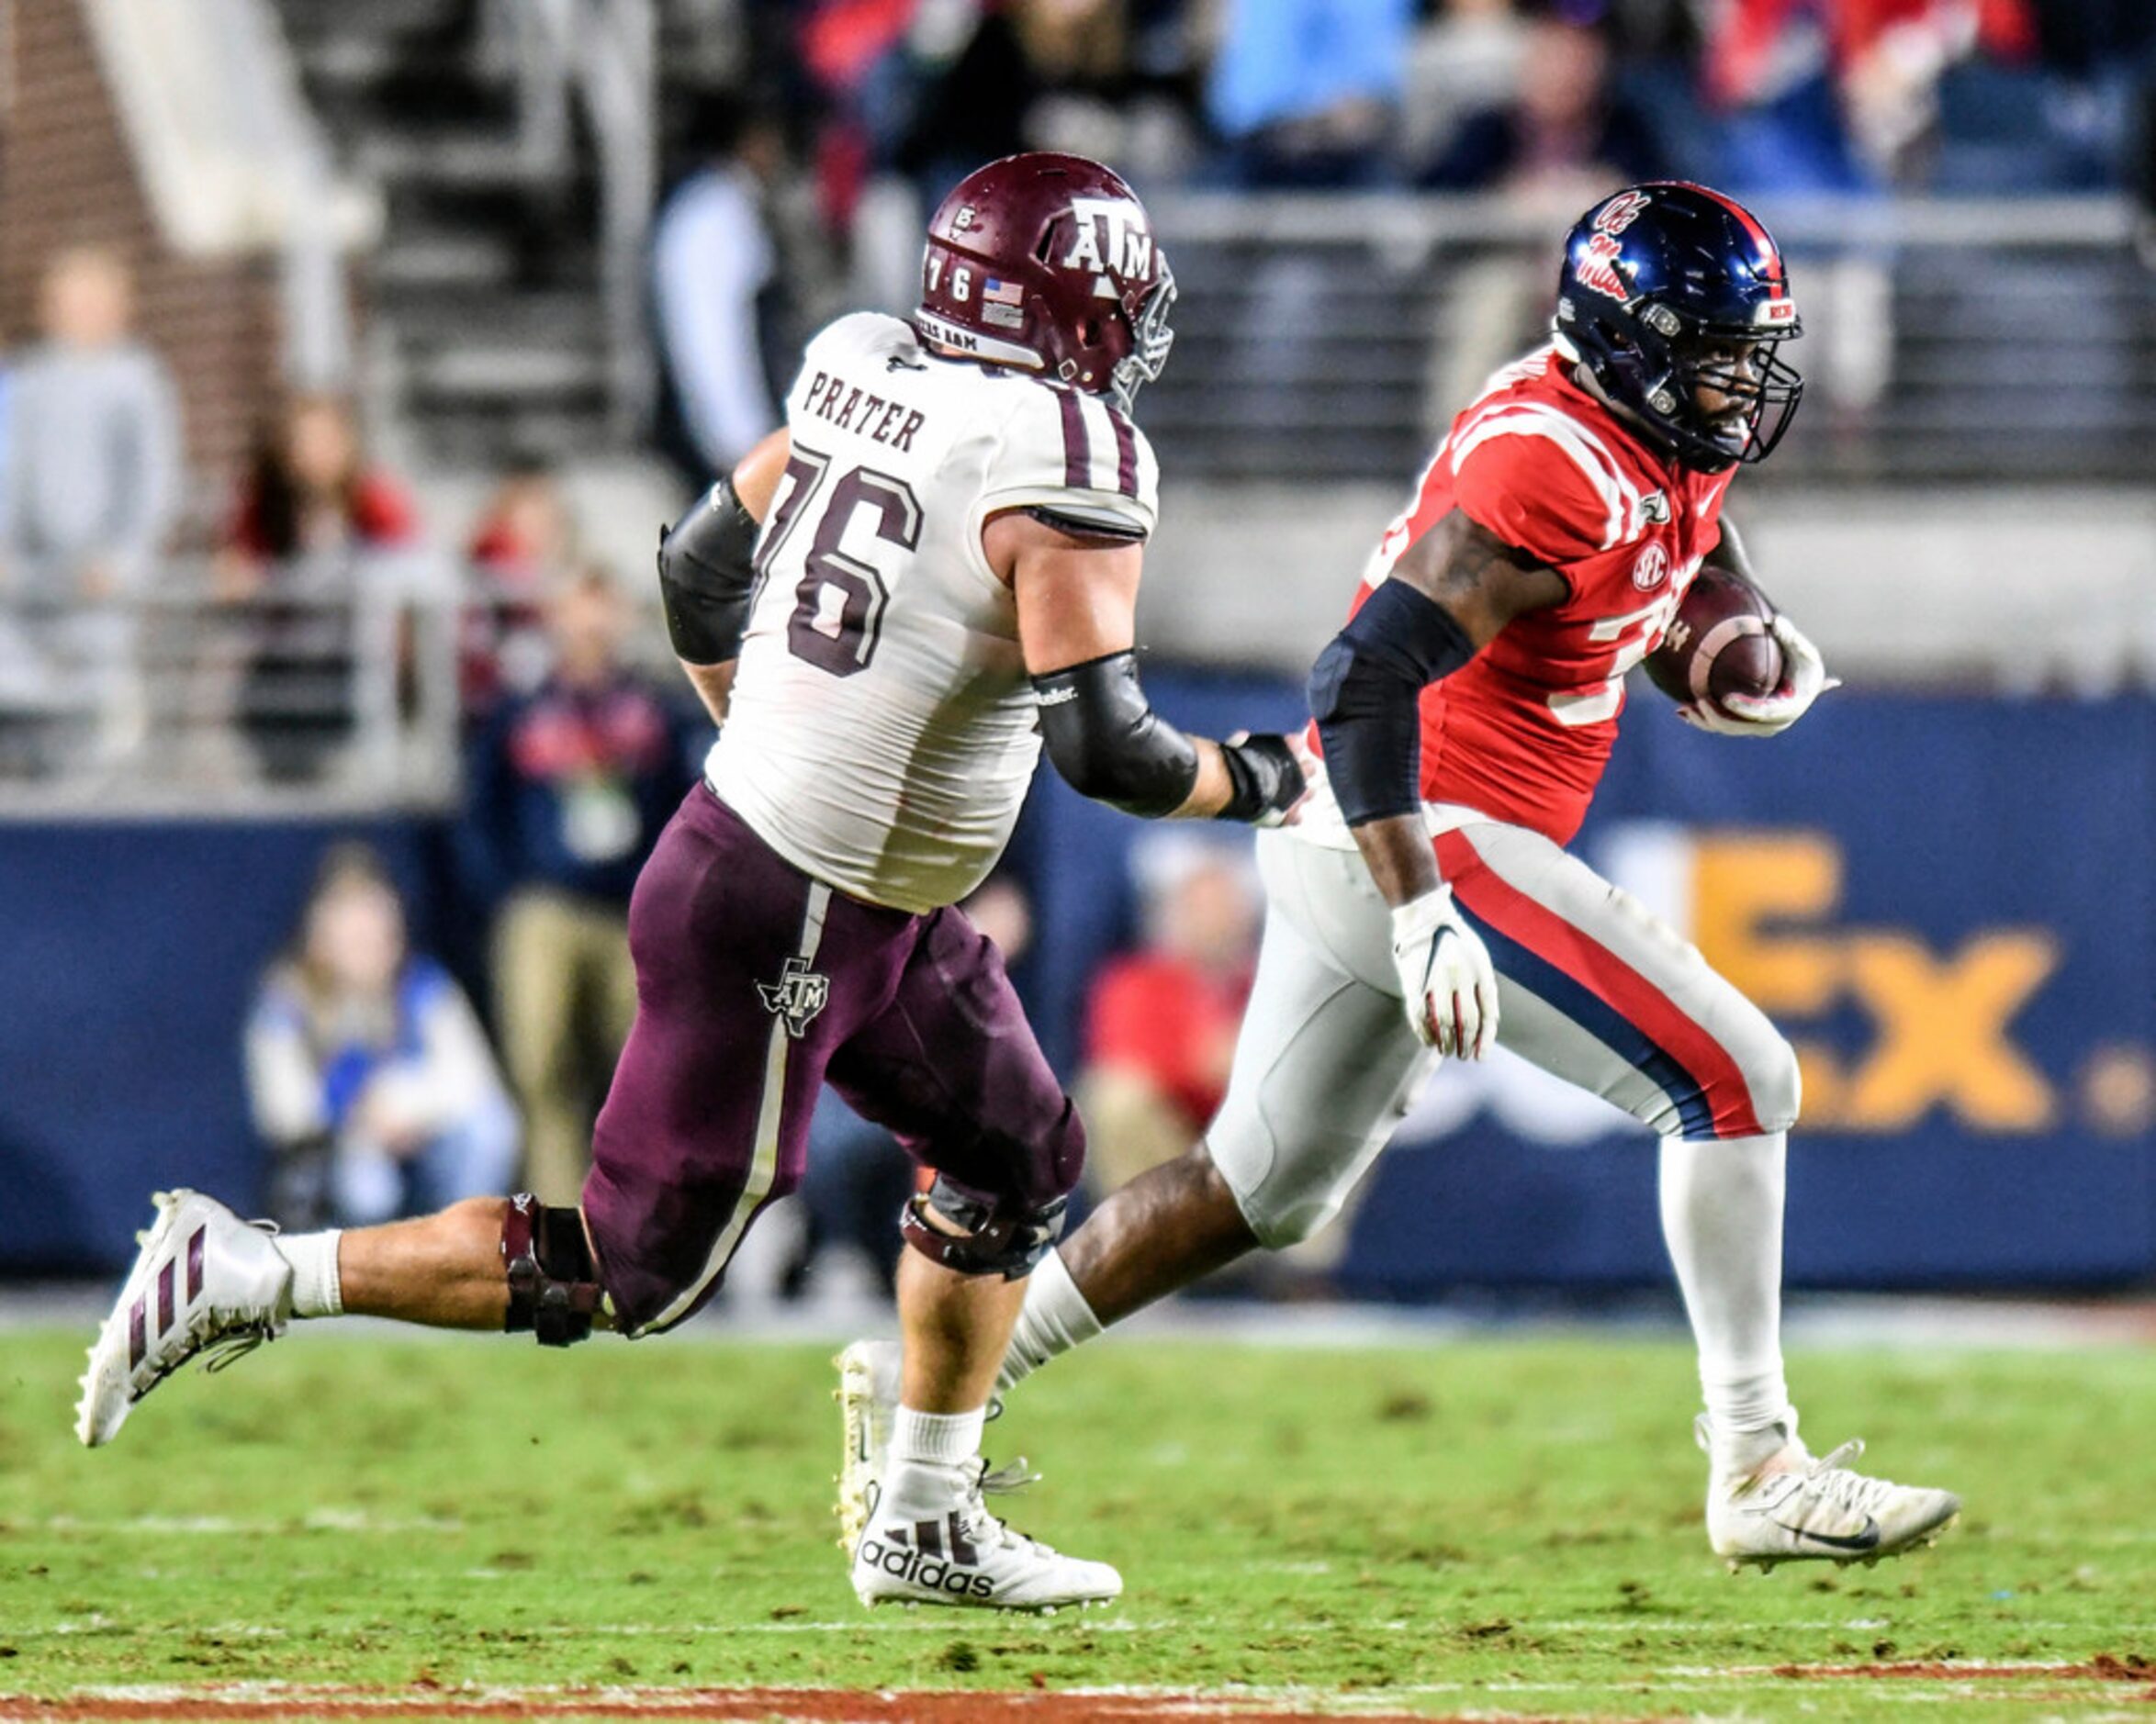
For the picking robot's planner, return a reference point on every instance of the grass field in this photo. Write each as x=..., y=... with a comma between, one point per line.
x=1493, y=1528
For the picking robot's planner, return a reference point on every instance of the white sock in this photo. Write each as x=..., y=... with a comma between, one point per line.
x=1054, y=1319
x=317, y=1292
x=928, y=1456
x=947, y=1439
x=1722, y=1206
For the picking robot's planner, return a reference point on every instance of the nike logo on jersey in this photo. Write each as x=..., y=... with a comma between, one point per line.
x=1867, y=1538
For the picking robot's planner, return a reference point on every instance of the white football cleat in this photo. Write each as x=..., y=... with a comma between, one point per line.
x=1819, y=1510
x=205, y=1280
x=966, y=1556
x=868, y=1396
x=868, y=1402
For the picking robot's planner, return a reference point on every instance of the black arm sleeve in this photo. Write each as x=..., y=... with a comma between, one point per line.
x=1108, y=743
x=705, y=576
x=1364, y=694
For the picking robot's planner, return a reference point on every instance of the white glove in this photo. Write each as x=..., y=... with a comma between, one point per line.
x=1804, y=680
x=1447, y=985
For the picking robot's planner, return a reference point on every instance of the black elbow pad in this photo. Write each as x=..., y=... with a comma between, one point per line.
x=706, y=576
x=1364, y=693
x=1109, y=744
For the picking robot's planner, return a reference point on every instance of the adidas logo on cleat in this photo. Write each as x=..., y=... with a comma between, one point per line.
x=919, y=1570
x=920, y=1561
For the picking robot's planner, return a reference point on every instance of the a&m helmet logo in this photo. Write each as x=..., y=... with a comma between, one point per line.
x=1596, y=265
x=798, y=995
x=1109, y=236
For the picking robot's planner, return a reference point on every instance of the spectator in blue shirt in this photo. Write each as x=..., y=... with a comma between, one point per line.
x=1567, y=136
x=1307, y=91
x=366, y=1067
x=568, y=787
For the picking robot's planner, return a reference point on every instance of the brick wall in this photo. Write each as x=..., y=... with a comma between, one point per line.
x=67, y=177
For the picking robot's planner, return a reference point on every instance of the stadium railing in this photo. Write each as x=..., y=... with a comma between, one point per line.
x=1332, y=337
x=322, y=687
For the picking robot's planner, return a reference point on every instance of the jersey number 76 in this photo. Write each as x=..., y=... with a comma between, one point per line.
x=838, y=603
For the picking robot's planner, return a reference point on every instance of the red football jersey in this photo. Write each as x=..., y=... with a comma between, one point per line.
x=1523, y=731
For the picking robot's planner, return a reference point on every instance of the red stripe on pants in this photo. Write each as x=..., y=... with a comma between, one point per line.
x=1605, y=974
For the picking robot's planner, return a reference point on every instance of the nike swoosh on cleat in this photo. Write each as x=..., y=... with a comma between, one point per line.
x=1867, y=1539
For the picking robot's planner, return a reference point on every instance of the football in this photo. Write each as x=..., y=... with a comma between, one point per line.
x=1719, y=643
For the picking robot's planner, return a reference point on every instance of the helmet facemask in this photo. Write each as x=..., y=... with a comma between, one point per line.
x=1657, y=364
x=1150, y=339
x=1746, y=369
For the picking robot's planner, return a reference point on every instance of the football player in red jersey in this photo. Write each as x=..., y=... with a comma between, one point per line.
x=1466, y=714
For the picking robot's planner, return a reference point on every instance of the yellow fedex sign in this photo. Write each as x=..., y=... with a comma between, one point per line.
x=1763, y=911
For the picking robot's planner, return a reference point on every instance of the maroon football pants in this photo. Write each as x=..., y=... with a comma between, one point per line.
x=754, y=985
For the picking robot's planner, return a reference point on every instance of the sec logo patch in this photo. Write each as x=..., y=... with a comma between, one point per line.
x=1652, y=569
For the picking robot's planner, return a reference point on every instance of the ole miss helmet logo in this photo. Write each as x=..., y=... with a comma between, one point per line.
x=1596, y=266
x=1620, y=212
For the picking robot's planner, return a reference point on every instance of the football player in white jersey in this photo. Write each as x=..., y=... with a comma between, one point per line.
x=891, y=606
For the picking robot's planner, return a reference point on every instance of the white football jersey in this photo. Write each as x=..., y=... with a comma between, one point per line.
x=882, y=729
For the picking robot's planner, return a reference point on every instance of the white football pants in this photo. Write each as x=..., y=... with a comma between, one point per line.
x=1592, y=988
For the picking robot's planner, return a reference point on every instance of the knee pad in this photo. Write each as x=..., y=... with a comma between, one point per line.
x=553, y=1283
x=996, y=1239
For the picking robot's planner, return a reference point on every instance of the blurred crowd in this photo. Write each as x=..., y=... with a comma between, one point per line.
x=109, y=558
x=1484, y=93
x=851, y=115
x=802, y=189
x=387, y=1079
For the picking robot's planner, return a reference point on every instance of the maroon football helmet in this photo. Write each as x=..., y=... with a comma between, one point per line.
x=1047, y=261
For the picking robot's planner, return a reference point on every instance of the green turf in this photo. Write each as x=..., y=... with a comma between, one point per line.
x=1497, y=1526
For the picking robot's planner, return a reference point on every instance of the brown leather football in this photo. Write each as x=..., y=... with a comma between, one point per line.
x=1719, y=644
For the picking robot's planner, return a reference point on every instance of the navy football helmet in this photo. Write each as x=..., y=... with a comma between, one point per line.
x=1669, y=290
